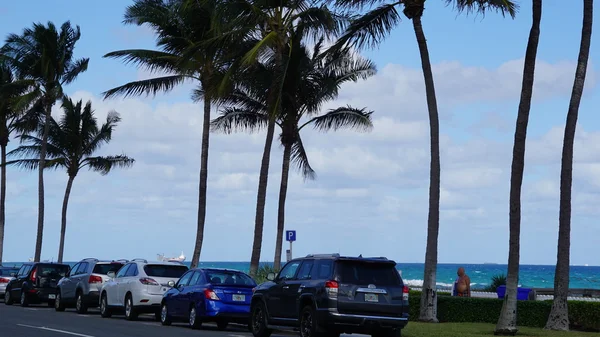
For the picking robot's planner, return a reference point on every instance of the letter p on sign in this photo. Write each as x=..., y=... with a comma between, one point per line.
x=290, y=236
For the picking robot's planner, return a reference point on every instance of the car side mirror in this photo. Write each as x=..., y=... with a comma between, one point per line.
x=271, y=276
x=171, y=284
x=111, y=274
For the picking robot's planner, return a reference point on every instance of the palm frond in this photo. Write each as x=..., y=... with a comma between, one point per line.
x=342, y=117
x=149, y=86
x=75, y=70
x=370, y=29
x=235, y=119
x=151, y=60
x=33, y=164
x=105, y=164
x=300, y=159
x=503, y=7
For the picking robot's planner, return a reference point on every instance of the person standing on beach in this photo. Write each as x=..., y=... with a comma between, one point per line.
x=462, y=285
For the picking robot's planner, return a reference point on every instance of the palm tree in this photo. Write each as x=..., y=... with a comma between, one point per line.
x=559, y=314
x=270, y=24
x=12, y=118
x=72, y=142
x=181, y=26
x=312, y=81
x=369, y=30
x=45, y=55
x=507, y=322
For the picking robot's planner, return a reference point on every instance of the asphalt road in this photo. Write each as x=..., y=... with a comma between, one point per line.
x=41, y=321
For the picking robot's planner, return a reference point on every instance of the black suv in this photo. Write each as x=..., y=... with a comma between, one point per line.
x=326, y=295
x=35, y=283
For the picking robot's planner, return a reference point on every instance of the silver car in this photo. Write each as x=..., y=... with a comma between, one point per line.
x=6, y=274
x=81, y=286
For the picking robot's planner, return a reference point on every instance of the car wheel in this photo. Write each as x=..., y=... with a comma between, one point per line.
x=222, y=325
x=80, y=305
x=130, y=312
x=164, y=315
x=194, y=321
x=58, y=303
x=24, y=299
x=8, y=300
x=105, y=311
x=258, y=320
x=309, y=326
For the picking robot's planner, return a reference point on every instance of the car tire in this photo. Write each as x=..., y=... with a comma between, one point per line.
x=80, y=305
x=310, y=327
x=164, y=315
x=105, y=311
x=130, y=312
x=58, y=303
x=193, y=320
x=24, y=299
x=258, y=320
x=8, y=300
x=222, y=325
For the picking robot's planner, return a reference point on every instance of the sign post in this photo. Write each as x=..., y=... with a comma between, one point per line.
x=290, y=236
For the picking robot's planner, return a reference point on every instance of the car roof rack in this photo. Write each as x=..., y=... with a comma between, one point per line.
x=372, y=257
x=137, y=259
x=323, y=255
x=90, y=258
x=120, y=260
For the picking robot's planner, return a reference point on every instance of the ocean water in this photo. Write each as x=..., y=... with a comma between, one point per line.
x=535, y=276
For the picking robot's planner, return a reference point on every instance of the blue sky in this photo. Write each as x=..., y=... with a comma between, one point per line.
x=371, y=193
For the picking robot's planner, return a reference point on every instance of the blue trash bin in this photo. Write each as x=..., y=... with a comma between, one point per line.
x=522, y=293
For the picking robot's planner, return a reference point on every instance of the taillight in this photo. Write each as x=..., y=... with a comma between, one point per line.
x=94, y=279
x=210, y=295
x=33, y=274
x=148, y=281
x=405, y=292
x=331, y=287
x=3, y=280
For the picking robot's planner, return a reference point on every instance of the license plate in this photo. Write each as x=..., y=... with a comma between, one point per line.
x=51, y=297
x=239, y=298
x=371, y=298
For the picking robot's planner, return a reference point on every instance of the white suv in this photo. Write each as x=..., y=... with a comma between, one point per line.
x=138, y=287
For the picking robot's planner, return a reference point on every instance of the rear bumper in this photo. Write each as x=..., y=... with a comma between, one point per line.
x=41, y=295
x=147, y=303
x=230, y=312
x=354, y=323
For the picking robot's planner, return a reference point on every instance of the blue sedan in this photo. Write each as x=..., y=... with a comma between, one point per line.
x=209, y=295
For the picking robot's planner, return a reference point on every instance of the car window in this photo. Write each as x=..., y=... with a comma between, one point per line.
x=323, y=270
x=132, y=271
x=104, y=268
x=51, y=270
x=8, y=271
x=228, y=277
x=379, y=274
x=195, y=278
x=73, y=271
x=289, y=271
x=27, y=270
x=123, y=270
x=24, y=270
x=185, y=279
x=82, y=269
x=305, y=270
x=165, y=270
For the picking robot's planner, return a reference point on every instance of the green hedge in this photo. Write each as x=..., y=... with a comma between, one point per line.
x=582, y=315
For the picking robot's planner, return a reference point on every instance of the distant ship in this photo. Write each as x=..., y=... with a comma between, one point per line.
x=161, y=257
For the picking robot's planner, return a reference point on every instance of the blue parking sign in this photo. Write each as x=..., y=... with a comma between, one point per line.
x=290, y=236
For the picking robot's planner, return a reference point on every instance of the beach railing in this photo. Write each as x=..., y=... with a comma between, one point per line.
x=577, y=294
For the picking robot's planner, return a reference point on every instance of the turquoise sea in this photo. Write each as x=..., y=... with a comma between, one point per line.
x=536, y=276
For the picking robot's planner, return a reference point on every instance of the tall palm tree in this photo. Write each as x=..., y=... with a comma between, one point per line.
x=72, y=142
x=312, y=81
x=270, y=24
x=559, y=314
x=12, y=118
x=181, y=26
x=45, y=54
x=369, y=30
x=507, y=322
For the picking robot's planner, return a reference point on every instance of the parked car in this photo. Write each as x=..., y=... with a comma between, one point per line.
x=6, y=274
x=138, y=287
x=35, y=282
x=325, y=295
x=209, y=295
x=81, y=286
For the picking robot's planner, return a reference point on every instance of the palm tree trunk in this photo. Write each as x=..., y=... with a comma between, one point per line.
x=428, y=309
x=63, y=224
x=40, y=225
x=285, y=170
x=559, y=314
x=261, y=198
x=2, y=198
x=507, y=322
x=203, y=183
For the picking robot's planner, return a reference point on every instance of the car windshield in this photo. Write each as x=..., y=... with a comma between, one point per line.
x=229, y=278
x=161, y=270
x=52, y=270
x=8, y=271
x=362, y=273
x=104, y=268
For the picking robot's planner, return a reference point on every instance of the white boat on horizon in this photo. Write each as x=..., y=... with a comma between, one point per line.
x=162, y=257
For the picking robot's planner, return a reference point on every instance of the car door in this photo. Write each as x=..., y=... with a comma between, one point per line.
x=292, y=289
x=180, y=302
x=126, y=284
x=275, y=300
x=17, y=283
x=67, y=290
x=113, y=290
x=80, y=277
